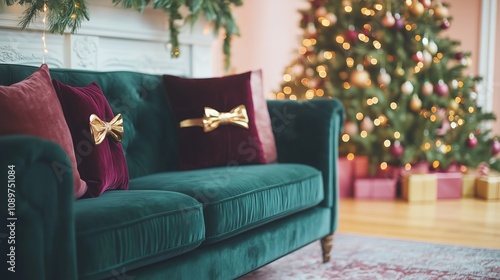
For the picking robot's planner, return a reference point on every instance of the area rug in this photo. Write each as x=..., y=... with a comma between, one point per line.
x=362, y=257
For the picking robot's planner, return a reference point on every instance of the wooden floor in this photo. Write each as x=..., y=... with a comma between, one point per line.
x=471, y=222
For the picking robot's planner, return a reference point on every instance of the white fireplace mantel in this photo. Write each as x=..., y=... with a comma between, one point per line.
x=113, y=39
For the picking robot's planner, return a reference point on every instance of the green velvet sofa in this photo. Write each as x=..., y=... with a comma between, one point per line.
x=217, y=223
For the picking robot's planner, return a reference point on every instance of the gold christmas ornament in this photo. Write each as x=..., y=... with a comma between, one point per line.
x=441, y=11
x=427, y=88
x=360, y=77
x=417, y=8
x=415, y=103
x=400, y=72
x=453, y=105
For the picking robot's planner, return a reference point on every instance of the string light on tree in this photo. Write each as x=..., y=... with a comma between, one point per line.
x=44, y=38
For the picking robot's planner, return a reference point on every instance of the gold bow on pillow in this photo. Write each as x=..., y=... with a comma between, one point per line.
x=212, y=119
x=99, y=129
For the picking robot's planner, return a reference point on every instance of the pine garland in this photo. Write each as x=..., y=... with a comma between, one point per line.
x=68, y=15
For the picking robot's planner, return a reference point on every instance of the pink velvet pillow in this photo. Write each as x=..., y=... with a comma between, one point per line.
x=227, y=144
x=103, y=166
x=32, y=108
x=262, y=119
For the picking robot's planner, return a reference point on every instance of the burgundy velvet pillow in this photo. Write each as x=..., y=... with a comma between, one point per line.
x=31, y=107
x=227, y=144
x=103, y=166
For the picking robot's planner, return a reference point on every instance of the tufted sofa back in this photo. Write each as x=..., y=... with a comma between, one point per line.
x=149, y=141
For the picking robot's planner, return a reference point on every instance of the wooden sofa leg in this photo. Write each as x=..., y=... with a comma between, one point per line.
x=326, y=247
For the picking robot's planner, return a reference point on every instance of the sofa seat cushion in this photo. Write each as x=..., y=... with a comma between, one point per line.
x=238, y=198
x=130, y=229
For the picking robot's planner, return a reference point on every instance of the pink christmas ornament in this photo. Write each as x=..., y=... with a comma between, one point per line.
x=351, y=35
x=471, y=141
x=426, y=3
x=397, y=149
x=350, y=128
x=495, y=147
x=367, y=124
x=383, y=77
x=459, y=55
x=441, y=11
x=321, y=12
x=446, y=24
x=332, y=18
x=399, y=23
x=388, y=20
x=441, y=88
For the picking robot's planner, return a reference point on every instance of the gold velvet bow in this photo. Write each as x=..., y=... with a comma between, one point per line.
x=212, y=119
x=99, y=129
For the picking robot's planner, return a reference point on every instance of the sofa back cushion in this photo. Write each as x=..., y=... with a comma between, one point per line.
x=150, y=143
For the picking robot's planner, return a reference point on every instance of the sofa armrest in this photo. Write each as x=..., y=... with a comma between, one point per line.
x=37, y=205
x=308, y=132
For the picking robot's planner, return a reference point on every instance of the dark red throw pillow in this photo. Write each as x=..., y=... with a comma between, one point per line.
x=227, y=144
x=103, y=166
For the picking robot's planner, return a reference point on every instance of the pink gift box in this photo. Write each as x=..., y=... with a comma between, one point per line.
x=349, y=170
x=375, y=188
x=449, y=185
x=419, y=168
x=360, y=166
x=345, y=171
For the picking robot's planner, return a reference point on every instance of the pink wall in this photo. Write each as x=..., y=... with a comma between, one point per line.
x=270, y=39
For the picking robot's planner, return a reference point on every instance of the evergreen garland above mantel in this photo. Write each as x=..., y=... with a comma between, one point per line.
x=67, y=15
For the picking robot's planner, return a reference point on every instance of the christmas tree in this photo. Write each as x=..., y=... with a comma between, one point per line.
x=403, y=85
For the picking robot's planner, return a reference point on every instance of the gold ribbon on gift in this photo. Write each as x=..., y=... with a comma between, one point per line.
x=212, y=119
x=99, y=128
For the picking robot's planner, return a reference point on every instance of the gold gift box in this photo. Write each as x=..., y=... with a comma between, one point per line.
x=419, y=187
x=468, y=185
x=488, y=187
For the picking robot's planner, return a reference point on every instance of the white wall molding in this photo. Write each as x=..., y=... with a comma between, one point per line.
x=487, y=53
x=113, y=39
